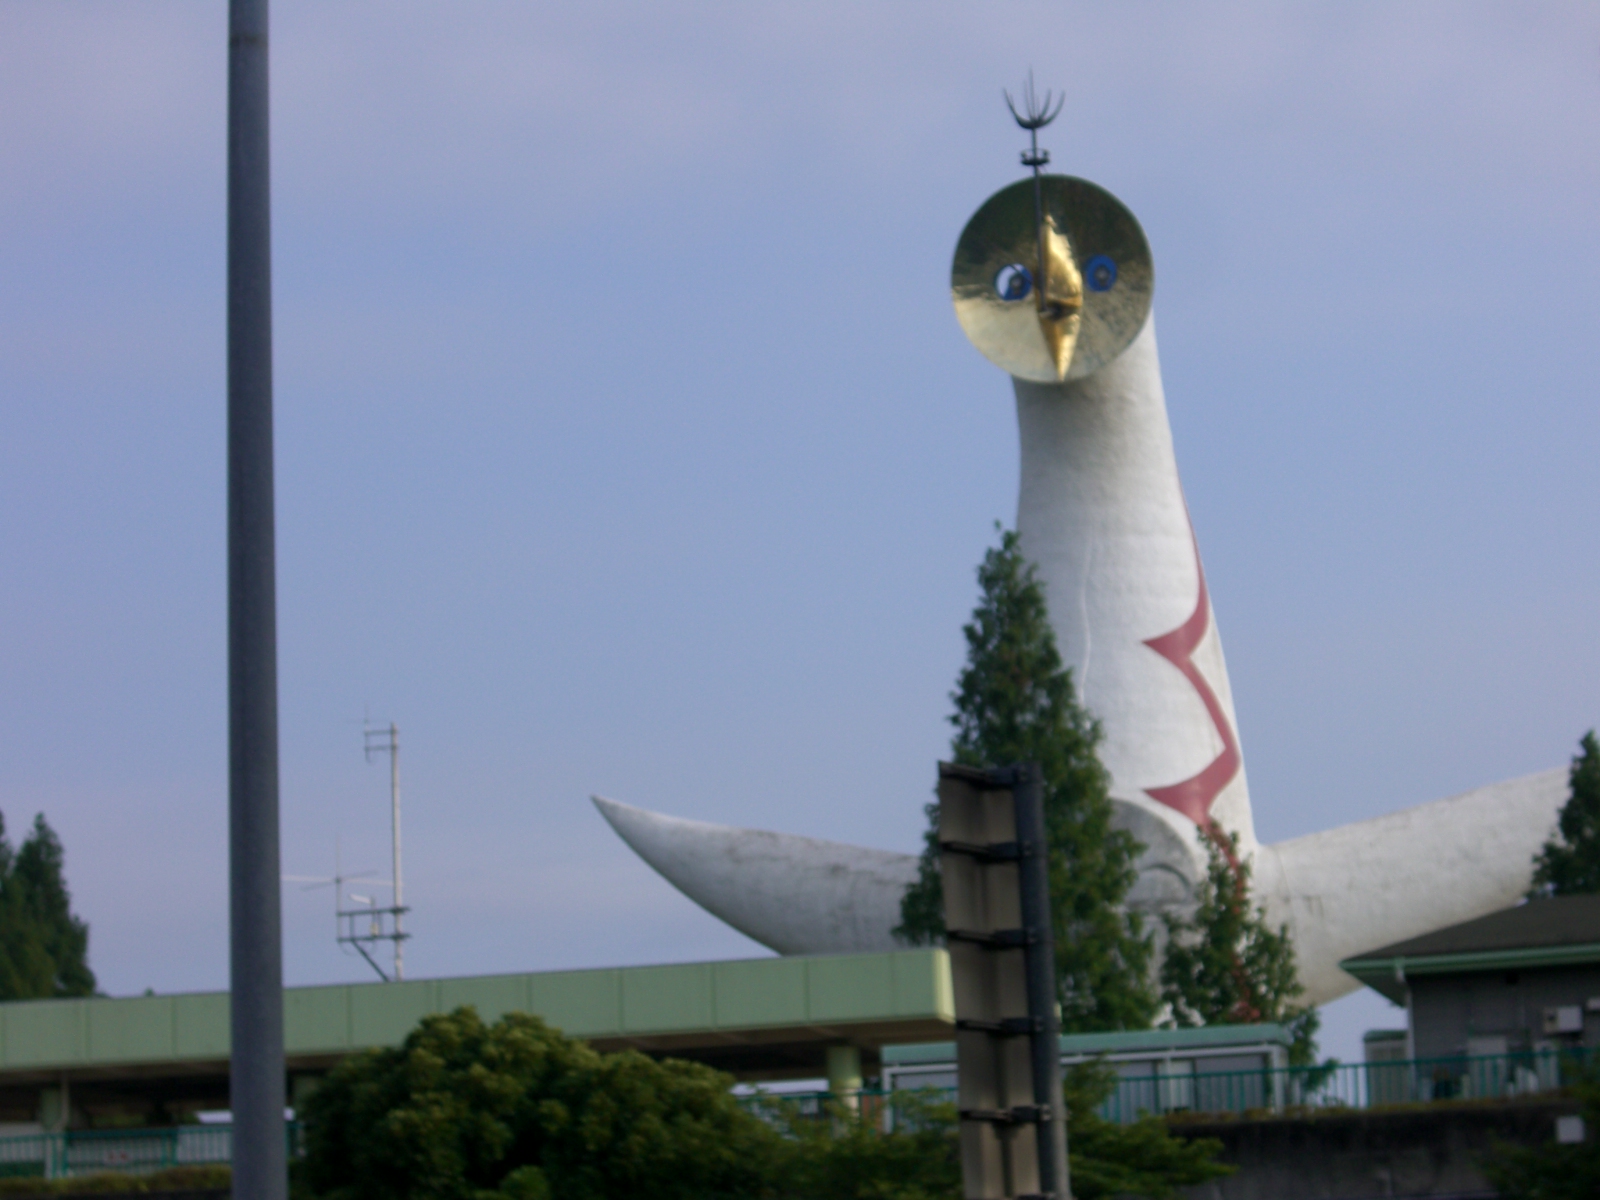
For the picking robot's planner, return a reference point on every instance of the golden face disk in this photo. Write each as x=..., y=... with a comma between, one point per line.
x=1097, y=276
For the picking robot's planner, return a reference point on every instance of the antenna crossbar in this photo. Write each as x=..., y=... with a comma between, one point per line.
x=382, y=925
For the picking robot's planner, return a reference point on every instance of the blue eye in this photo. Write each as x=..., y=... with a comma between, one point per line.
x=1100, y=272
x=1013, y=282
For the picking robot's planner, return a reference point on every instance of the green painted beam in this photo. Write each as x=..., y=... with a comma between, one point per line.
x=1388, y=975
x=873, y=997
x=1125, y=1041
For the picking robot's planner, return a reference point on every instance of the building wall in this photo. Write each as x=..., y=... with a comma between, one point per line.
x=1449, y=1010
x=1432, y=1151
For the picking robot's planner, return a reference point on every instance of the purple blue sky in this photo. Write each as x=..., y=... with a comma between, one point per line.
x=627, y=442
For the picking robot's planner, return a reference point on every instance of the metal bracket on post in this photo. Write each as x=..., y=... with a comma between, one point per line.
x=995, y=876
x=1044, y=1041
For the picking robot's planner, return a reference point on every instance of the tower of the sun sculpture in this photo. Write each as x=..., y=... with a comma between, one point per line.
x=1052, y=281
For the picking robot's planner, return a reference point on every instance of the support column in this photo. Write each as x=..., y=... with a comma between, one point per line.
x=55, y=1107
x=844, y=1074
x=55, y=1117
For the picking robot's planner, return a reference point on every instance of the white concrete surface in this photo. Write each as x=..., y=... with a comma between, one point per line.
x=796, y=895
x=1100, y=510
x=1342, y=892
x=1359, y=887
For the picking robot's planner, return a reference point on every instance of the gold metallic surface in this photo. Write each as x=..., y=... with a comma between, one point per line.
x=1060, y=304
x=1081, y=322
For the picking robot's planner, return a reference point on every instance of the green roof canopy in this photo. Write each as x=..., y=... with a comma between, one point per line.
x=765, y=1017
x=1554, y=932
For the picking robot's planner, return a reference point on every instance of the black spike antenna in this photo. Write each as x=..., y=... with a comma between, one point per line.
x=1038, y=115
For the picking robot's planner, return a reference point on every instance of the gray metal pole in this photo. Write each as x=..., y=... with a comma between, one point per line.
x=1027, y=794
x=394, y=831
x=256, y=1081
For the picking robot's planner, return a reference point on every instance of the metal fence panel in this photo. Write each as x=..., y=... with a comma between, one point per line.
x=1159, y=1092
x=89, y=1151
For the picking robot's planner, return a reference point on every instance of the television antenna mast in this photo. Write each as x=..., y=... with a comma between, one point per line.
x=345, y=928
x=384, y=924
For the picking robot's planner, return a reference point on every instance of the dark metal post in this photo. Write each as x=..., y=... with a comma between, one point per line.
x=1040, y=957
x=256, y=1081
x=1038, y=116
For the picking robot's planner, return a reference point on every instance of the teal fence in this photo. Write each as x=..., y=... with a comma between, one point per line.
x=87, y=1152
x=1151, y=1089
x=1141, y=1088
x=1163, y=1088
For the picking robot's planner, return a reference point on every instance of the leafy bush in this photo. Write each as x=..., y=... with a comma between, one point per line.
x=843, y=1153
x=173, y=1179
x=468, y=1111
x=1554, y=1171
x=1141, y=1159
x=518, y=1111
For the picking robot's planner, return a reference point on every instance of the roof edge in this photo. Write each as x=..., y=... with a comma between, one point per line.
x=1482, y=960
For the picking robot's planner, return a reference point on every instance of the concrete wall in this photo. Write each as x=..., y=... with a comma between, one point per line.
x=1433, y=1151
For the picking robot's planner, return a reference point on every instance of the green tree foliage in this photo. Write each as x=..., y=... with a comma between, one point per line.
x=1141, y=1159
x=843, y=1153
x=1570, y=864
x=1226, y=964
x=1553, y=1171
x=518, y=1111
x=215, y=1179
x=468, y=1111
x=1014, y=702
x=43, y=948
x=846, y=1155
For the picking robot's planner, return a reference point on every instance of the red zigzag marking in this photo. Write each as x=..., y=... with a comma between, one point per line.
x=1194, y=796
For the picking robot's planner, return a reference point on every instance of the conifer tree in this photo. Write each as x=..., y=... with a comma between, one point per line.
x=1570, y=863
x=43, y=947
x=1014, y=703
x=1226, y=964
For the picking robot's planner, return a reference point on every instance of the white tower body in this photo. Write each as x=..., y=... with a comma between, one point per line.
x=1101, y=513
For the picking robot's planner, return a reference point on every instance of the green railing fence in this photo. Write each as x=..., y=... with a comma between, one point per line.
x=1144, y=1088
x=1158, y=1089
x=89, y=1151
x=1343, y=1085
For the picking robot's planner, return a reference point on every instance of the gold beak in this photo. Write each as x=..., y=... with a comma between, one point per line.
x=1060, y=297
